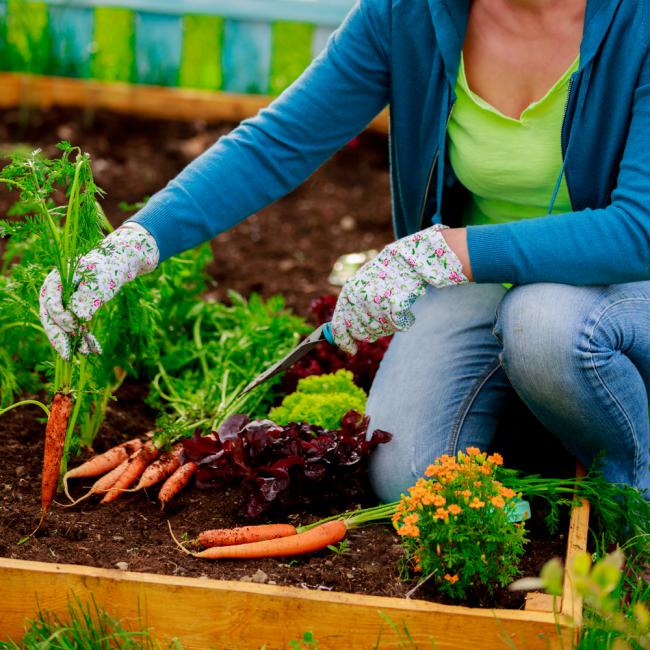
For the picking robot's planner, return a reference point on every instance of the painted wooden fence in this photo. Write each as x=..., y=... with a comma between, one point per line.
x=238, y=46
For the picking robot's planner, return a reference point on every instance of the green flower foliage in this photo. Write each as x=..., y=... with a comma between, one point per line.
x=322, y=400
x=456, y=527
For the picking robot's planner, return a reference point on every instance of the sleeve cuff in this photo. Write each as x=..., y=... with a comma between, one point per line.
x=490, y=254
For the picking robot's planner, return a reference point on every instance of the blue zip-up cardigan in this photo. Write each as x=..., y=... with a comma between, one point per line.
x=405, y=53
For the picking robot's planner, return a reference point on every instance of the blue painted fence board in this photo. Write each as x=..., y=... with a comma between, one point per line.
x=321, y=34
x=71, y=39
x=318, y=12
x=4, y=62
x=158, y=48
x=246, y=56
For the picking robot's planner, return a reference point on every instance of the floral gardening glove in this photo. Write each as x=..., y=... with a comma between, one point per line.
x=126, y=253
x=377, y=300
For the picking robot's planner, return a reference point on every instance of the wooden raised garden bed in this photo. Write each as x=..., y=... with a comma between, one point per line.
x=236, y=616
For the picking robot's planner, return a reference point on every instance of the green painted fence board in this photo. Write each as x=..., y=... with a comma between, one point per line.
x=71, y=35
x=201, y=59
x=114, y=57
x=292, y=53
x=27, y=36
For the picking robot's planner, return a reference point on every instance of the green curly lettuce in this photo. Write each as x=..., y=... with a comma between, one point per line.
x=322, y=400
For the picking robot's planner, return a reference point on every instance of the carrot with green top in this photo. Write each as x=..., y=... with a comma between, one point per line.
x=55, y=432
x=309, y=541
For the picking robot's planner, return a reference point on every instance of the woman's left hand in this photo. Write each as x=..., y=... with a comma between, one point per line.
x=377, y=300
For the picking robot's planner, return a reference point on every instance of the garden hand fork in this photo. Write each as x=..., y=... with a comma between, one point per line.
x=321, y=333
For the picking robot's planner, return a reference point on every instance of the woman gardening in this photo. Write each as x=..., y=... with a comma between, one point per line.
x=524, y=127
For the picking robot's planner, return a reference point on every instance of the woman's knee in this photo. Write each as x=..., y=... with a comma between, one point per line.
x=541, y=328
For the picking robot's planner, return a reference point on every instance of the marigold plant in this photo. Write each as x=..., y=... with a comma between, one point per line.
x=456, y=527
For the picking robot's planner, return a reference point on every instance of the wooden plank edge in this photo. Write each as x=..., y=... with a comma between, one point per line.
x=577, y=538
x=265, y=613
x=576, y=543
x=159, y=102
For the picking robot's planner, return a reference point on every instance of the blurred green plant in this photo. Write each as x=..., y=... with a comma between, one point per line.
x=86, y=627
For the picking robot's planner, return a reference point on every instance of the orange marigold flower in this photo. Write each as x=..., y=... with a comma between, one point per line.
x=497, y=502
x=497, y=459
x=454, y=509
x=473, y=451
x=411, y=519
x=476, y=503
x=486, y=469
x=507, y=493
x=441, y=513
x=432, y=470
x=451, y=579
x=409, y=530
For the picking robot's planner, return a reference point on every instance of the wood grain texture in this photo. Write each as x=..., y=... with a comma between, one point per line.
x=576, y=543
x=148, y=101
x=252, y=615
x=71, y=41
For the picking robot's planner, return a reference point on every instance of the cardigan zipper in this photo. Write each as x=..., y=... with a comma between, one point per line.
x=564, y=141
x=431, y=172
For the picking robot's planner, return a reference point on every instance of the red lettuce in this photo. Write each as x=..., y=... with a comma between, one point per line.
x=326, y=358
x=286, y=466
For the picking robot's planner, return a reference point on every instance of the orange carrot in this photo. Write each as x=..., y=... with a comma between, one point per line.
x=103, y=484
x=136, y=464
x=312, y=540
x=176, y=482
x=245, y=534
x=165, y=466
x=57, y=426
x=108, y=480
x=102, y=463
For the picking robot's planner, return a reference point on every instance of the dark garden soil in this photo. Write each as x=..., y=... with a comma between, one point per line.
x=288, y=248
x=133, y=530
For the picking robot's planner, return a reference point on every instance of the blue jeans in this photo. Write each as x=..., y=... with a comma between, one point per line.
x=578, y=357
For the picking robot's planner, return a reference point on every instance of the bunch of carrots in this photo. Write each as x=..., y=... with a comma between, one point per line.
x=120, y=467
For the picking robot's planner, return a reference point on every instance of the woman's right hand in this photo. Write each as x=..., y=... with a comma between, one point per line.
x=122, y=256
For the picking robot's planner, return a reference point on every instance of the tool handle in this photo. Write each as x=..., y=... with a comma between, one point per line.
x=328, y=334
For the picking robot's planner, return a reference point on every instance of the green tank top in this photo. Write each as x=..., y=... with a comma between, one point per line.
x=509, y=165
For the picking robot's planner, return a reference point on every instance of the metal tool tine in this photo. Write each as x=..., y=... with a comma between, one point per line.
x=295, y=355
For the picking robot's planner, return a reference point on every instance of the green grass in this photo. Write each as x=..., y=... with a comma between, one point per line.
x=86, y=627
